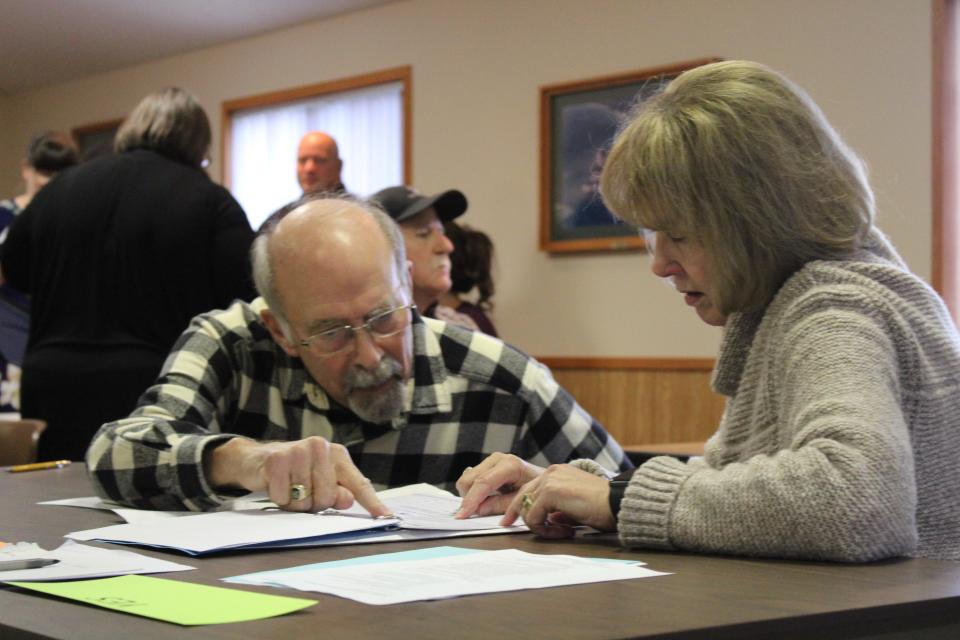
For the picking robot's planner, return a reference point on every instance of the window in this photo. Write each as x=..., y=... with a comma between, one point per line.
x=367, y=116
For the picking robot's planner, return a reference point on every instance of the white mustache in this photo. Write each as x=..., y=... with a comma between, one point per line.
x=358, y=378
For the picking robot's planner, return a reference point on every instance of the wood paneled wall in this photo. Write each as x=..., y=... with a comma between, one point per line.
x=644, y=400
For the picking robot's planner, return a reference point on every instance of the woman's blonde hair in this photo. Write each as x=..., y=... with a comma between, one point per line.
x=737, y=157
x=170, y=122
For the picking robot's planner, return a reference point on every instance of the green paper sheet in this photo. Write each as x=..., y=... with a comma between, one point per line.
x=171, y=600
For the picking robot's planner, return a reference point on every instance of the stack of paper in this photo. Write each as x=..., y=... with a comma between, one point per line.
x=445, y=572
x=418, y=516
x=76, y=561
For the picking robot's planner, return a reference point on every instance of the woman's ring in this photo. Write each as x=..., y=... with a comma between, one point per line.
x=298, y=492
x=526, y=502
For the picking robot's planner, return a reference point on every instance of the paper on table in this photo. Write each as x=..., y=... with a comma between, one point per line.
x=87, y=502
x=82, y=561
x=172, y=601
x=250, y=501
x=256, y=500
x=451, y=576
x=419, y=511
x=387, y=535
x=224, y=530
x=273, y=578
x=210, y=532
x=270, y=578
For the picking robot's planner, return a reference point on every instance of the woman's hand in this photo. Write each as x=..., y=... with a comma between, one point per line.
x=488, y=488
x=560, y=498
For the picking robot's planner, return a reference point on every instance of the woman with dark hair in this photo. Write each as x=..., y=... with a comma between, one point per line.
x=118, y=255
x=470, y=268
x=47, y=154
x=841, y=368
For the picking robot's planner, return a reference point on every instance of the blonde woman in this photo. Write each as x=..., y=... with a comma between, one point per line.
x=841, y=368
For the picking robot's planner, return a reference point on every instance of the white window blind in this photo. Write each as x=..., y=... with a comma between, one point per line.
x=366, y=123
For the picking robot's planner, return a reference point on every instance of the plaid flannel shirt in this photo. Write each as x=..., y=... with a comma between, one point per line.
x=470, y=395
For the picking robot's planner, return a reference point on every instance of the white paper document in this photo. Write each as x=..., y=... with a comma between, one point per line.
x=225, y=530
x=250, y=501
x=449, y=576
x=256, y=500
x=430, y=516
x=78, y=561
x=421, y=511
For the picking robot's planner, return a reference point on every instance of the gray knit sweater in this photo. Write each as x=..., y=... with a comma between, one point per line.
x=841, y=435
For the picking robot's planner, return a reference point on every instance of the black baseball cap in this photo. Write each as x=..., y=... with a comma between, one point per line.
x=402, y=203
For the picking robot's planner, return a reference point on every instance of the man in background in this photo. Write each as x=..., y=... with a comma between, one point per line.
x=319, y=164
x=421, y=219
x=318, y=171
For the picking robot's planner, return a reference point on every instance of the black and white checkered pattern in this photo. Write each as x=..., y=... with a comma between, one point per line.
x=470, y=395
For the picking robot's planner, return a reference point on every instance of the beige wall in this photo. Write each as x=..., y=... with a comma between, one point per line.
x=477, y=67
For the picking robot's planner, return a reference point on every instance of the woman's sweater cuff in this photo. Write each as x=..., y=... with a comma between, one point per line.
x=591, y=466
x=644, y=519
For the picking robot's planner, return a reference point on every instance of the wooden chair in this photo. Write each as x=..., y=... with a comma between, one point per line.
x=18, y=441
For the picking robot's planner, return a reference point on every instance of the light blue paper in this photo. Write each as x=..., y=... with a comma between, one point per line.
x=264, y=577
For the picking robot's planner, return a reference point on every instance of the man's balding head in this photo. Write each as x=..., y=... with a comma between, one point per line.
x=318, y=163
x=326, y=267
x=320, y=232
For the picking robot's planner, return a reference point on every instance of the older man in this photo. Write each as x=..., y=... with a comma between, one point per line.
x=334, y=368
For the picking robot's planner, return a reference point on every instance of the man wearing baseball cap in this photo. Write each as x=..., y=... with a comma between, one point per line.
x=421, y=221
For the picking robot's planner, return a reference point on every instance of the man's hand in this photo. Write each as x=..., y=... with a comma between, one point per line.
x=561, y=497
x=323, y=468
x=488, y=488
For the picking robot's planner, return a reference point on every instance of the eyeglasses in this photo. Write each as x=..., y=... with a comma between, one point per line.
x=381, y=326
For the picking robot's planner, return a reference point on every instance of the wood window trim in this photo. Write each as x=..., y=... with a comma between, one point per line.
x=945, y=232
x=87, y=129
x=398, y=74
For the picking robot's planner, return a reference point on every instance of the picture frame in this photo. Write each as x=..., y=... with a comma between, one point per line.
x=96, y=139
x=578, y=122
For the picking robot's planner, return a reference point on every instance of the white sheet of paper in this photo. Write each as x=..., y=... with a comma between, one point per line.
x=82, y=561
x=432, y=511
x=251, y=501
x=90, y=502
x=391, y=535
x=421, y=488
x=448, y=577
x=220, y=530
x=269, y=578
x=256, y=500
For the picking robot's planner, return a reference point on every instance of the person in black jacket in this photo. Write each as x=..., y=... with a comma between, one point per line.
x=118, y=255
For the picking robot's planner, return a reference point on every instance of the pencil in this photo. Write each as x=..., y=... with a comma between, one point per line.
x=37, y=466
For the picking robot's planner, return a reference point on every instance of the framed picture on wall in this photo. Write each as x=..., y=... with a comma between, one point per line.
x=578, y=122
x=96, y=139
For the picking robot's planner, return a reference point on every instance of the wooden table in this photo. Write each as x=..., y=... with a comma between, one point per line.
x=707, y=597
